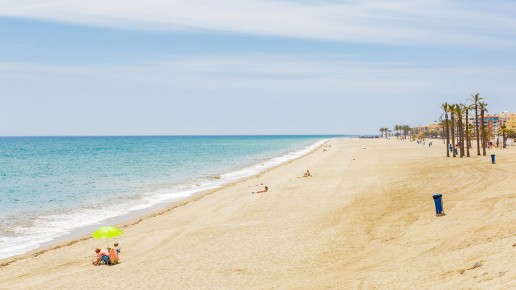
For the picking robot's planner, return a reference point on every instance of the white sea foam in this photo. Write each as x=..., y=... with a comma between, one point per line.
x=231, y=176
x=47, y=228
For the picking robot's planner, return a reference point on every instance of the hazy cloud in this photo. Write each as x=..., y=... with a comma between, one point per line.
x=253, y=74
x=397, y=21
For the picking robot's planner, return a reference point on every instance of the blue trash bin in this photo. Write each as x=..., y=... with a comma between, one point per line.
x=493, y=159
x=438, y=200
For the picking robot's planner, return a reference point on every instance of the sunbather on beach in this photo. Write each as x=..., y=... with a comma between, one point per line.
x=307, y=174
x=261, y=191
x=100, y=253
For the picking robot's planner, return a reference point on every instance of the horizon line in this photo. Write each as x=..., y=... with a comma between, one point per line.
x=180, y=135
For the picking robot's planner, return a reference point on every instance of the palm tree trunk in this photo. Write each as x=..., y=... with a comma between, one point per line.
x=461, y=134
x=476, y=127
x=484, y=135
x=467, y=132
x=447, y=137
x=453, y=134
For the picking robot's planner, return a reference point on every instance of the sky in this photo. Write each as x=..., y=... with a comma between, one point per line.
x=231, y=67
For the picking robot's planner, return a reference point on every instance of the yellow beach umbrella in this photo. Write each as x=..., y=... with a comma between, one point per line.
x=107, y=232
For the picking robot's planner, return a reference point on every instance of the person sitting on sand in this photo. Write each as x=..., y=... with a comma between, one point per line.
x=307, y=174
x=100, y=253
x=117, y=248
x=261, y=191
x=113, y=256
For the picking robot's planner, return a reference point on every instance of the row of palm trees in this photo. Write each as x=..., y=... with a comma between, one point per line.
x=455, y=121
x=405, y=129
x=454, y=126
x=385, y=132
x=401, y=131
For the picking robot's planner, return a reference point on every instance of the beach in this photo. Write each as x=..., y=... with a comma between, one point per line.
x=364, y=220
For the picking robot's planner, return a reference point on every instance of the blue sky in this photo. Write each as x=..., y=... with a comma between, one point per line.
x=247, y=66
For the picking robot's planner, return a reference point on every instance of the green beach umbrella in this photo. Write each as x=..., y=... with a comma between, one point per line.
x=107, y=232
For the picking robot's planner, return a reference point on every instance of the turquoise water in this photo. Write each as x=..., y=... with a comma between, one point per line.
x=51, y=186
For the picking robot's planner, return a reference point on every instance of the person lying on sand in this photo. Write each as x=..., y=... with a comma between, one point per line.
x=100, y=253
x=261, y=191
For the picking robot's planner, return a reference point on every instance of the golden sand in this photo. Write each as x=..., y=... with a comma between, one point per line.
x=365, y=220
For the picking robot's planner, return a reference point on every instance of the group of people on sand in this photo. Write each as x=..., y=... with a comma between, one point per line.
x=108, y=257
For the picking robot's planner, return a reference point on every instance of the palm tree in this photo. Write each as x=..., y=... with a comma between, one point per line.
x=413, y=132
x=471, y=128
x=443, y=126
x=446, y=110
x=460, y=131
x=483, y=109
x=452, y=116
x=476, y=99
x=406, y=130
x=468, y=138
x=504, y=132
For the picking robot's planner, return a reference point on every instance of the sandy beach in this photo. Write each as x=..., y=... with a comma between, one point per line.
x=365, y=220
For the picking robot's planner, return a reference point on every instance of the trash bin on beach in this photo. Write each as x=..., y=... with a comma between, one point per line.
x=438, y=200
x=493, y=159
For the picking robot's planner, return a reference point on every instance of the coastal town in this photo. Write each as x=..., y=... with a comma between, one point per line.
x=495, y=130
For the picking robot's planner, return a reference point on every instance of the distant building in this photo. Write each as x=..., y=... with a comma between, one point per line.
x=511, y=122
x=492, y=122
x=471, y=120
x=434, y=128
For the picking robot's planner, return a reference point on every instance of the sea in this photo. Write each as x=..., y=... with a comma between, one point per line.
x=53, y=187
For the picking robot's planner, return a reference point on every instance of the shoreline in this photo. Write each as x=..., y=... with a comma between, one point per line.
x=365, y=220
x=135, y=217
